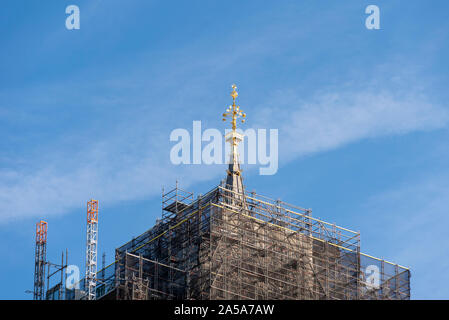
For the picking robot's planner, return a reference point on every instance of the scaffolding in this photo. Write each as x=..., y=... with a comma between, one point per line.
x=229, y=244
x=91, y=248
x=213, y=248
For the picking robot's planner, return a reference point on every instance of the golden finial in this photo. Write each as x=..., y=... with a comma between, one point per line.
x=234, y=110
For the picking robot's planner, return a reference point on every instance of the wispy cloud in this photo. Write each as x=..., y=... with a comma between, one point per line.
x=334, y=119
x=133, y=162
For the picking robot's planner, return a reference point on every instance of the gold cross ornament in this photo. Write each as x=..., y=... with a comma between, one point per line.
x=234, y=111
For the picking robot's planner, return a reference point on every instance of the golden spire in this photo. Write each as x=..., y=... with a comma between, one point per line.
x=234, y=110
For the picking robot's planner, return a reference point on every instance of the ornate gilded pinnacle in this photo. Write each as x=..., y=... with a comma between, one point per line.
x=234, y=111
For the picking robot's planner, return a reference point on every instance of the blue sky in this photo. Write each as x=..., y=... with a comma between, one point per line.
x=362, y=115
